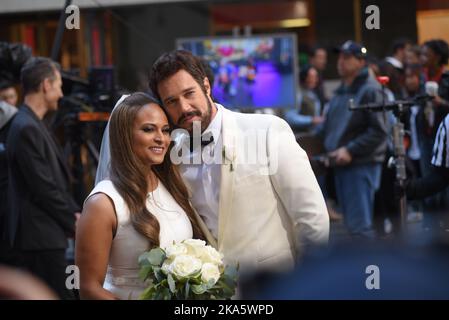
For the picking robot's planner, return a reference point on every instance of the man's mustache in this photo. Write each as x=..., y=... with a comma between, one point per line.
x=188, y=114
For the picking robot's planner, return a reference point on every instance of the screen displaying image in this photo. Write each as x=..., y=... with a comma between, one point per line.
x=249, y=72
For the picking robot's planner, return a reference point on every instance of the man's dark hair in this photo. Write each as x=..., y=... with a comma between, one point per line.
x=170, y=63
x=208, y=70
x=5, y=84
x=440, y=48
x=36, y=70
x=399, y=44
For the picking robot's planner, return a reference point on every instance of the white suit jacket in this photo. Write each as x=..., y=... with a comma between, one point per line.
x=270, y=206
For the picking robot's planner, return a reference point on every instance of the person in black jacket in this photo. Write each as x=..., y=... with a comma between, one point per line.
x=42, y=212
x=438, y=177
x=355, y=141
x=7, y=113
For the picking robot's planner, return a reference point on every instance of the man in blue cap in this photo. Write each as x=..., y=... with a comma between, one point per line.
x=355, y=140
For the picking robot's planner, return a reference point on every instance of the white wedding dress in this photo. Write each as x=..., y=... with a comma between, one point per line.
x=122, y=274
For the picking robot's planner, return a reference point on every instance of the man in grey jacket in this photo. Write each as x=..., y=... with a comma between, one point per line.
x=355, y=140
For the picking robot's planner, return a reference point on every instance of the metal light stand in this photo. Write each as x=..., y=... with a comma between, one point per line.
x=398, y=161
x=398, y=158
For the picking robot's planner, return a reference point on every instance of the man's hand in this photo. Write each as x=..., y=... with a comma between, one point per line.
x=341, y=156
x=317, y=120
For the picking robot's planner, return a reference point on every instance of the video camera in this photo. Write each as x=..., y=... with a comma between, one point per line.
x=82, y=115
x=12, y=57
x=97, y=94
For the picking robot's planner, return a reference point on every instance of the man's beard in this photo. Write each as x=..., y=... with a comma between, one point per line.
x=205, y=118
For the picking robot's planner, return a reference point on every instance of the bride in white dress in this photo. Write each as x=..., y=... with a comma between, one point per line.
x=144, y=204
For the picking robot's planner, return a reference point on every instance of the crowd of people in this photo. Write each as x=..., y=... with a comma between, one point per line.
x=260, y=215
x=260, y=210
x=358, y=144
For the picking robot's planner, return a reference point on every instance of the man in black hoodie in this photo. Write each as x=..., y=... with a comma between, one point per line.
x=355, y=140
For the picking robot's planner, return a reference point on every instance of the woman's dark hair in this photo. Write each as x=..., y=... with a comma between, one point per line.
x=304, y=73
x=129, y=173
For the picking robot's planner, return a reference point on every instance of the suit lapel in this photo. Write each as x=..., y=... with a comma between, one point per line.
x=229, y=132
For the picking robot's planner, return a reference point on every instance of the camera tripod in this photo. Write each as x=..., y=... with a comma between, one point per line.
x=80, y=147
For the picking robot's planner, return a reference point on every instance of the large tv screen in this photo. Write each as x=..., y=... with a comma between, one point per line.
x=249, y=72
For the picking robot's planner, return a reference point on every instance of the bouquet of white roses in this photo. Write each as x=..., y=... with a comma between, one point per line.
x=187, y=270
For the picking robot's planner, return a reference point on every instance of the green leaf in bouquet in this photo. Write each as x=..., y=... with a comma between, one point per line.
x=199, y=289
x=171, y=283
x=154, y=257
x=226, y=291
x=143, y=259
x=161, y=291
x=148, y=293
x=210, y=284
x=231, y=271
x=145, y=272
x=230, y=281
x=163, y=283
x=165, y=294
x=196, y=280
x=158, y=274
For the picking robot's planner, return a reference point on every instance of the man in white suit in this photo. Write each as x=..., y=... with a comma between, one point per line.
x=258, y=196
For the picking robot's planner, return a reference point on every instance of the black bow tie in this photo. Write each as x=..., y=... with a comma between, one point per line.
x=204, y=141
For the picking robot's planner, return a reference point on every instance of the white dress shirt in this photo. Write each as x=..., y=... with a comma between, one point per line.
x=204, y=179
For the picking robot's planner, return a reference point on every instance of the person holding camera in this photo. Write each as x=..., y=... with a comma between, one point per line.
x=42, y=213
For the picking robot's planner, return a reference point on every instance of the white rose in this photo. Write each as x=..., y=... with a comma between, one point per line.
x=194, y=246
x=184, y=266
x=209, y=254
x=195, y=242
x=210, y=271
x=175, y=250
x=167, y=266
